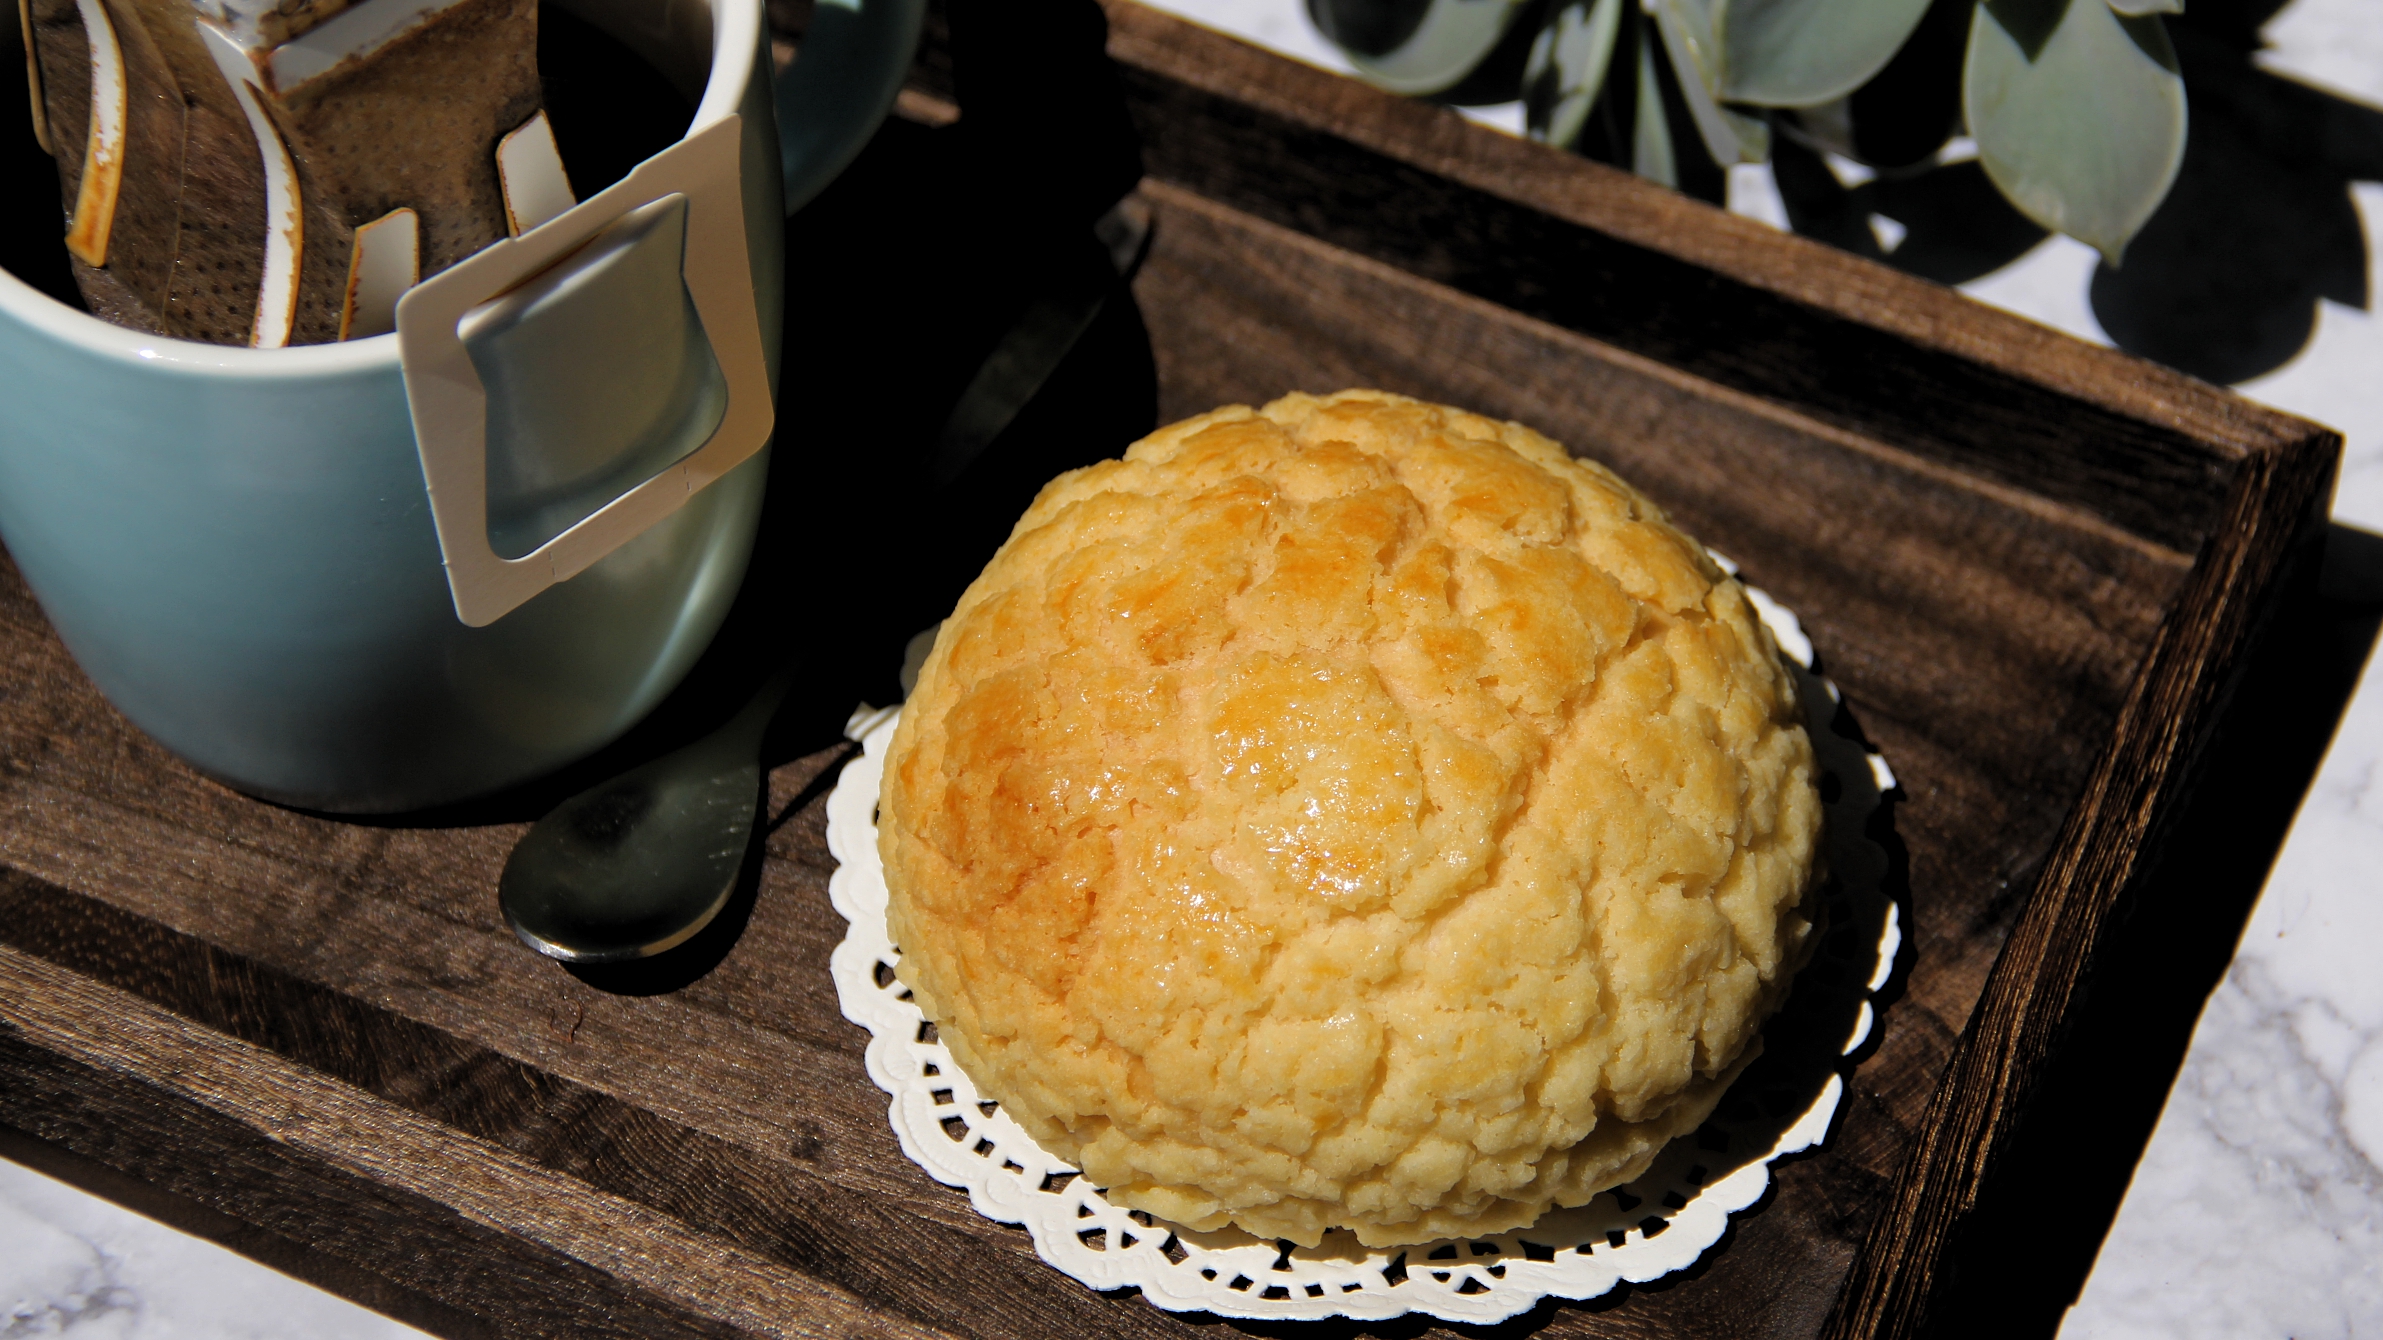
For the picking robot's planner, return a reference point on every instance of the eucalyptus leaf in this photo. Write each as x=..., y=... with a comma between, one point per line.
x=1692, y=34
x=1453, y=37
x=1794, y=53
x=1367, y=27
x=2139, y=7
x=1651, y=153
x=2078, y=112
x=1567, y=68
x=1692, y=42
x=1826, y=126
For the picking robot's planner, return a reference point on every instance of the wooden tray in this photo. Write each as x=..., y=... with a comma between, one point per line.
x=2032, y=565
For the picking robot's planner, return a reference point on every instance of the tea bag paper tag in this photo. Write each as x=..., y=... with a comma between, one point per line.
x=450, y=402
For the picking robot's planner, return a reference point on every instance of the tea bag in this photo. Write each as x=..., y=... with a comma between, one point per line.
x=271, y=172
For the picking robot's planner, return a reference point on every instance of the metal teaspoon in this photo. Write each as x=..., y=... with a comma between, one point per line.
x=636, y=864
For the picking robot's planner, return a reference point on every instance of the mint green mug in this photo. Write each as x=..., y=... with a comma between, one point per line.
x=413, y=569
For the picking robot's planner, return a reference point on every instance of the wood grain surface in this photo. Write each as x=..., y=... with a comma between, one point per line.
x=2032, y=566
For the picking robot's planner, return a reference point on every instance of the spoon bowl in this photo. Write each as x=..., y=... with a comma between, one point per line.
x=638, y=863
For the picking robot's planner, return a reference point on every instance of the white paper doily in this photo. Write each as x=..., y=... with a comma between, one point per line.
x=1660, y=1223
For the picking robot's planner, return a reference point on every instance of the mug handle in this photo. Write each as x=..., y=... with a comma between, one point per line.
x=837, y=92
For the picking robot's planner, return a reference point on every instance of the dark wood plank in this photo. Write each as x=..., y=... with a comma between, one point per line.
x=121, y=1081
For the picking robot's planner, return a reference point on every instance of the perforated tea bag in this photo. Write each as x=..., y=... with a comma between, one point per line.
x=271, y=172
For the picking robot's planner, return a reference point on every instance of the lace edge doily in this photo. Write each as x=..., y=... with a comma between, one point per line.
x=1658, y=1224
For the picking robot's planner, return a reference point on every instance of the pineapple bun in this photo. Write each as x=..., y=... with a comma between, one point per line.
x=1351, y=813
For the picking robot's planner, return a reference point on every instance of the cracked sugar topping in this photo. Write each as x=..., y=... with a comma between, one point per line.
x=1352, y=813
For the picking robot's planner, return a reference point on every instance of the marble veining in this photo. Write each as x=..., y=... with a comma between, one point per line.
x=64, y=1283
x=2258, y=1207
x=76, y=1266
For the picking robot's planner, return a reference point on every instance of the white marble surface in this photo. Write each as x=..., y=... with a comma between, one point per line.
x=75, y=1266
x=2257, y=1210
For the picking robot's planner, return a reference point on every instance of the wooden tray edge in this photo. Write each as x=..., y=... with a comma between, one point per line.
x=2275, y=518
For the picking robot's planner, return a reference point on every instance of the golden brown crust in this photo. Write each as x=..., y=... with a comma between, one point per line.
x=1352, y=812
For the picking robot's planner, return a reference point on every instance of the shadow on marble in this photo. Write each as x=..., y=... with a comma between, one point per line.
x=2045, y=1209
x=2224, y=281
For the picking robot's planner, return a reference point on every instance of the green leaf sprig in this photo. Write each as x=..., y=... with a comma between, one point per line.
x=2077, y=106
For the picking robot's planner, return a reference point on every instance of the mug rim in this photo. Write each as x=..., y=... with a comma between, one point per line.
x=736, y=36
